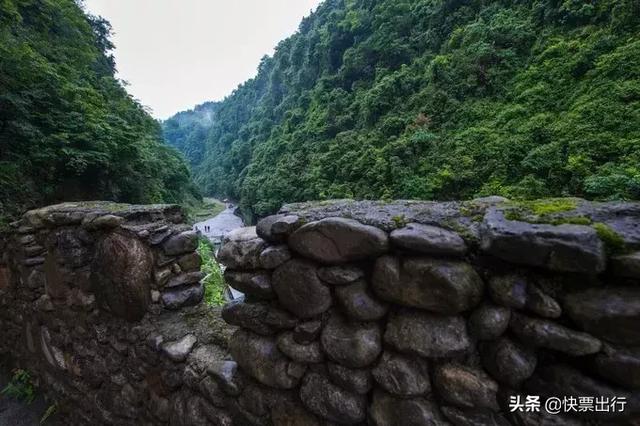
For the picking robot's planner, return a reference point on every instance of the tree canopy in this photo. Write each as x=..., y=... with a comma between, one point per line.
x=68, y=128
x=432, y=99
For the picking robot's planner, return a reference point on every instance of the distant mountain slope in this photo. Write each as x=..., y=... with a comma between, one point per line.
x=68, y=129
x=435, y=99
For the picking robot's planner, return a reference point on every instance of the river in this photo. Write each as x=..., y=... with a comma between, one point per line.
x=215, y=227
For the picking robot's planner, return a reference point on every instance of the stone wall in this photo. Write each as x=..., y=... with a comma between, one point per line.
x=403, y=313
x=100, y=302
x=415, y=313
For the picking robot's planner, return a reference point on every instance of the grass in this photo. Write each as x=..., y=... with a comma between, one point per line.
x=209, y=207
x=214, y=285
x=20, y=387
x=613, y=242
x=543, y=211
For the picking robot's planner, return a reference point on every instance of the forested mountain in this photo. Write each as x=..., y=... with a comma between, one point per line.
x=68, y=128
x=435, y=99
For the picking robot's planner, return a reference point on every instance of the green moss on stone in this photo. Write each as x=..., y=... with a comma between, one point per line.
x=613, y=242
x=399, y=221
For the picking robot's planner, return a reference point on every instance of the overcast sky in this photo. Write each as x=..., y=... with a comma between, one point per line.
x=176, y=54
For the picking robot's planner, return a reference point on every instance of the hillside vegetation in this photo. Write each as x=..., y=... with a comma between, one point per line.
x=68, y=128
x=431, y=99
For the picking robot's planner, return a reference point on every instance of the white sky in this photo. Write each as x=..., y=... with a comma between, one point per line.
x=176, y=54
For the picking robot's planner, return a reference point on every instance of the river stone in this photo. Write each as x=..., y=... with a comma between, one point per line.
x=561, y=380
x=466, y=387
x=472, y=417
x=358, y=303
x=241, y=249
x=509, y=290
x=106, y=221
x=304, y=354
x=227, y=376
x=402, y=375
x=387, y=410
x=276, y=228
x=626, y=265
x=428, y=239
x=488, y=322
x=619, y=365
x=184, y=279
x=442, y=286
x=507, y=362
x=340, y=274
x=358, y=380
x=184, y=242
x=179, y=297
x=274, y=256
x=300, y=290
x=331, y=402
x=190, y=262
x=254, y=283
x=566, y=248
x=351, y=344
x=179, y=350
x=542, y=304
x=307, y=332
x=551, y=335
x=288, y=413
x=611, y=313
x=259, y=317
x=259, y=357
x=338, y=240
x=121, y=276
x=426, y=334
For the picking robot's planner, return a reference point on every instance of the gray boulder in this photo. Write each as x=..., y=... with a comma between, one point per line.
x=274, y=256
x=428, y=335
x=508, y=362
x=402, y=375
x=619, y=365
x=611, y=313
x=387, y=410
x=466, y=387
x=442, y=286
x=509, y=290
x=488, y=322
x=179, y=297
x=337, y=240
x=358, y=380
x=184, y=242
x=566, y=248
x=299, y=289
x=259, y=357
x=626, y=265
x=254, y=283
x=259, y=317
x=473, y=417
x=351, y=344
x=120, y=275
x=241, y=249
x=358, y=302
x=428, y=239
x=304, y=354
x=276, y=228
x=551, y=335
x=331, y=402
x=340, y=274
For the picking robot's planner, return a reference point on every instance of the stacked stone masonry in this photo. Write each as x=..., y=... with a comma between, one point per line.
x=416, y=313
x=355, y=313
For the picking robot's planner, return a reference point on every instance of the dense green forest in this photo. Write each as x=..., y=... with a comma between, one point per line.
x=68, y=128
x=431, y=99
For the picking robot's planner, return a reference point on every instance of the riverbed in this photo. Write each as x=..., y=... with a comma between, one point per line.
x=217, y=226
